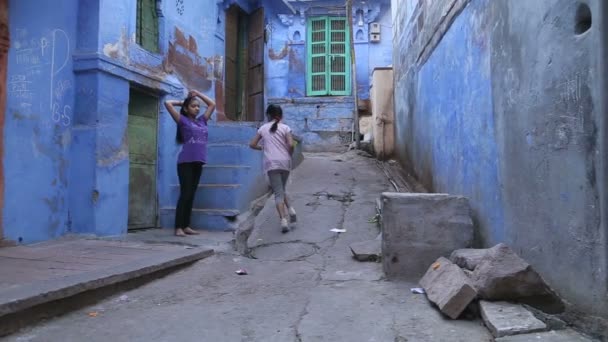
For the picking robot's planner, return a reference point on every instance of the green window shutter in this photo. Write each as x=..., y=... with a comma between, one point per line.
x=339, y=71
x=147, y=25
x=317, y=78
x=328, y=48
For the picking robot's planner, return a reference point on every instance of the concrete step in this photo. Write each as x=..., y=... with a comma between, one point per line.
x=215, y=196
x=204, y=219
x=240, y=133
x=225, y=174
x=49, y=279
x=233, y=154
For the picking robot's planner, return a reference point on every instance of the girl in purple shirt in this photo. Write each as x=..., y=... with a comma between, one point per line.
x=192, y=134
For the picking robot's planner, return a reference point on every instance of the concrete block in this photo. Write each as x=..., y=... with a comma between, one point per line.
x=448, y=287
x=550, y=336
x=419, y=228
x=506, y=319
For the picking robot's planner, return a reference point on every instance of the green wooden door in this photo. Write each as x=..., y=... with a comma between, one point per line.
x=142, y=130
x=328, y=59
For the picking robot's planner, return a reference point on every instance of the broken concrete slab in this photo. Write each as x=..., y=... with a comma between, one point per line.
x=549, y=336
x=367, y=250
x=419, y=228
x=503, y=275
x=448, y=287
x=506, y=319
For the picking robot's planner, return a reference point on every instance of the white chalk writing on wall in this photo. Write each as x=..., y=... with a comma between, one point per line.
x=40, y=59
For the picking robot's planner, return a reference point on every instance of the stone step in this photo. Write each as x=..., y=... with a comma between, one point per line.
x=225, y=174
x=233, y=154
x=39, y=280
x=215, y=196
x=240, y=133
x=204, y=219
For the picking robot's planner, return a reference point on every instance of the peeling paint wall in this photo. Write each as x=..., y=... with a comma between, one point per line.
x=69, y=75
x=500, y=101
x=325, y=123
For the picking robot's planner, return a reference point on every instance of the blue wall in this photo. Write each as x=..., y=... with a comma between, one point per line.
x=456, y=142
x=286, y=54
x=324, y=123
x=66, y=160
x=503, y=105
x=39, y=119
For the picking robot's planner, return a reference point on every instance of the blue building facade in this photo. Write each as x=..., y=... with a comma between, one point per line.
x=88, y=146
x=324, y=121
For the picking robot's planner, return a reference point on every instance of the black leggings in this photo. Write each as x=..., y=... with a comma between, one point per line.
x=189, y=175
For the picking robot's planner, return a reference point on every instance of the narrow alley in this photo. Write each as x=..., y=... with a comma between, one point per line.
x=301, y=286
x=446, y=161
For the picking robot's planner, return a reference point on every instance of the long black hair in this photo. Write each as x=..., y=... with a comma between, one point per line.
x=274, y=112
x=178, y=134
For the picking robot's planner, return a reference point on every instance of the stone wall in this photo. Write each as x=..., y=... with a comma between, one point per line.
x=500, y=101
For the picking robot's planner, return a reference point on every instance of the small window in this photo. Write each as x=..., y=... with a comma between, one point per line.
x=328, y=59
x=147, y=25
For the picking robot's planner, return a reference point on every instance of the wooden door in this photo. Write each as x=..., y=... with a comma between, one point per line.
x=142, y=130
x=231, y=63
x=255, y=77
x=4, y=45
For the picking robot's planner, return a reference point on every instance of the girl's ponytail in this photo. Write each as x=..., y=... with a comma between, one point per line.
x=275, y=112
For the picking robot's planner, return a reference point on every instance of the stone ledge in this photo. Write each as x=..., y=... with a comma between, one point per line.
x=17, y=299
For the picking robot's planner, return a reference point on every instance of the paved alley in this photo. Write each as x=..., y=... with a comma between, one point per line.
x=301, y=286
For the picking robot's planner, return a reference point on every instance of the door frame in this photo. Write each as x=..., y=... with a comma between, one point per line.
x=158, y=96
x=244, y=65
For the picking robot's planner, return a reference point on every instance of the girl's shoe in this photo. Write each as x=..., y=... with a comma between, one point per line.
x=292, y=215
x=284, y=225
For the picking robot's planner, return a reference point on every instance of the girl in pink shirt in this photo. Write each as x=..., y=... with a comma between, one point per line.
x=277, y=144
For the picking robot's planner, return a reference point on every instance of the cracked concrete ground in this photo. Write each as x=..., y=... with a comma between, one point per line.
x=302, y=286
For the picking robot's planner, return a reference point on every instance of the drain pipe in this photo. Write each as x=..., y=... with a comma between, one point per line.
x=349, y=12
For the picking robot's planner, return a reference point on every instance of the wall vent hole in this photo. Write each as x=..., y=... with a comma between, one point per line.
x=583, y=19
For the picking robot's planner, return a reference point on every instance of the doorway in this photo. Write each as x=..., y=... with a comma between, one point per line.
x=244, y=85
x=142, y=134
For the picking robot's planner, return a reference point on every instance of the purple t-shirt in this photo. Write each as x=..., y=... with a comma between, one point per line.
x=195, y=134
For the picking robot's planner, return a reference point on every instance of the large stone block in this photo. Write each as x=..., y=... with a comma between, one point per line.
x=500, y=274
x=448, y=287
x=419, y=228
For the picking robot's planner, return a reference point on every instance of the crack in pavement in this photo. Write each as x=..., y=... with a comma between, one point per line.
x=324, y=260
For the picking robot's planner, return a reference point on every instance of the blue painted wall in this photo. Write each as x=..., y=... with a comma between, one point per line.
x=503, y=105
x=39, y=119
x=455, y=144
x=66, y=161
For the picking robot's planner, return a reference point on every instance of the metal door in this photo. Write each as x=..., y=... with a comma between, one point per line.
x=142, y=130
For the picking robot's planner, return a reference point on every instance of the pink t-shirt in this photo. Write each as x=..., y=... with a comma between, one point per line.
x=276, y=147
